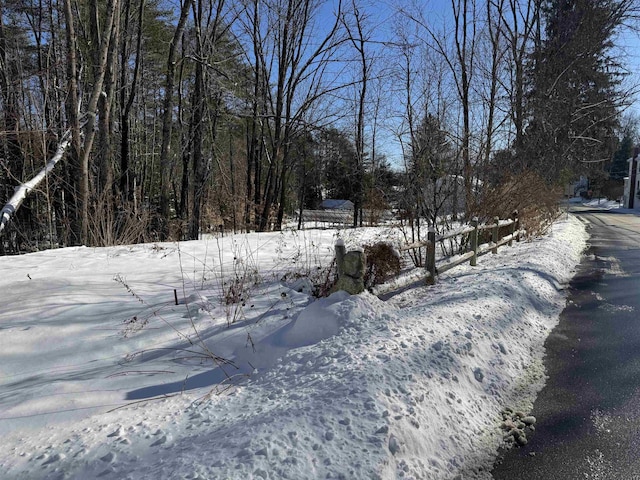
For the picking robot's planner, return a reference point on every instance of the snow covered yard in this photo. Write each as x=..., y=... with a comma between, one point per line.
x=341, y=387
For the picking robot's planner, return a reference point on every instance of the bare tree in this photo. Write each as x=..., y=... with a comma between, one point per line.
x=464, y=39
x=73, y=117
x=10, y=152
x=86, y=144
x=281, y=32
x=8, y=97
x=358, y=39
x=167, y=118
x=519, y=19
x=127, y=99
x=206, y=43
x=496, y=62
x=461, y=64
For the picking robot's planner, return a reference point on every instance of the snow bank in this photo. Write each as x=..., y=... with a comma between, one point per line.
x=340, y=388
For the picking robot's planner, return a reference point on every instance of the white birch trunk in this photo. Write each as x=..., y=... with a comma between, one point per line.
x=22, y=190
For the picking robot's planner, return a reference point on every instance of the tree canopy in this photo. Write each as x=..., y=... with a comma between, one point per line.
x=185, y=117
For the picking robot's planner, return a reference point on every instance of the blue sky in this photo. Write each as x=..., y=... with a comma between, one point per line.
x=438, y=13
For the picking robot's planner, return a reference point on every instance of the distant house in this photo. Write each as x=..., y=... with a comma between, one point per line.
x=578, y=188
x=332, y=204
x=449, y=193
x=631, y=198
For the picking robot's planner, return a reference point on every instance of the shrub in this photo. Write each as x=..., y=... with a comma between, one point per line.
x=537, y=202
x=383, y=262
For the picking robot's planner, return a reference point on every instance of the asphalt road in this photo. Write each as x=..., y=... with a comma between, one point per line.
x=589, y=411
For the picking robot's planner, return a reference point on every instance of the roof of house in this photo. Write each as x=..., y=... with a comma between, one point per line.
x=334, y=204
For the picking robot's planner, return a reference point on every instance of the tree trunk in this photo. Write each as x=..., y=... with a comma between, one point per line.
x=11, y=207
x=74, y=236
x=167, y=120
x=358, y=41
x=197, y=120
x=465, y=53
x=81, y=151
x=105, y=127
x=126, y=172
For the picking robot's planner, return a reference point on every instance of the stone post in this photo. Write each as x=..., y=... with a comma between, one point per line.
x=351, y=267
x=341, y=251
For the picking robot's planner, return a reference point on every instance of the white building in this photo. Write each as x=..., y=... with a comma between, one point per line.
x=631, y=197
x=577, y=188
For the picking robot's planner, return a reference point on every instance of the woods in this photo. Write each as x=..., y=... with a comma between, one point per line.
x=189, y=116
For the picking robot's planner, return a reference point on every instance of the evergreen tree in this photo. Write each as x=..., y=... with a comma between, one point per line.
x=432, y=171
x=573, y=101
x=383, y=185
x=619, y=167
x=338, y=155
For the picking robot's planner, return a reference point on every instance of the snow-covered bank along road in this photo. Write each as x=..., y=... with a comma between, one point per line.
x=410, y=388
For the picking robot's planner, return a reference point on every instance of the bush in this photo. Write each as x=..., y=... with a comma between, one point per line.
x=383, y=262
x=537, y=203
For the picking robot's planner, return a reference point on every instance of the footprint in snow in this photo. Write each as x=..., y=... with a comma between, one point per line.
x=116, y=433
x=160, y=441
x=54, y=458
x=82, y=451
x=109, y=457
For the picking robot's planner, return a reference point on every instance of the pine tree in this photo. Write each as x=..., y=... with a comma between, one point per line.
x=619, y=167
x=574, y=97
x=338, y=155
x=433, y=176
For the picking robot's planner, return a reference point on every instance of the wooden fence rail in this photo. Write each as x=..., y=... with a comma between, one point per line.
x=334, y=217
x=476, y=249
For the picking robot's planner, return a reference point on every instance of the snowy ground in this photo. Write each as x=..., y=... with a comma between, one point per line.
x=338, y=388
x=601, y=203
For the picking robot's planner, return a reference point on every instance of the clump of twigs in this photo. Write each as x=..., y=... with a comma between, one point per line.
x=537, y=203
x=383, y=263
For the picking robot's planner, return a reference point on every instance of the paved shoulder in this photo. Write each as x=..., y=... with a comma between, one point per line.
x=589, y=411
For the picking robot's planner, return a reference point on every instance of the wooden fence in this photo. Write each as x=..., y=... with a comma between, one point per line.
x=333, y=217
x=476, y=249
x=344, y=218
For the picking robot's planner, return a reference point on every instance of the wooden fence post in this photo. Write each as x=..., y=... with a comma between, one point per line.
x=474, y=241
x=431, y=255
x=341, y=251
x=495, y=237
x=517, y=219
x=514, y=218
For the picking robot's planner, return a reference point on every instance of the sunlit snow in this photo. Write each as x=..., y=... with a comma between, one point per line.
x=251, y=377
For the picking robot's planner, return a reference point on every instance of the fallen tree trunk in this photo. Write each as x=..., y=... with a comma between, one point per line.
x=22, y=190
